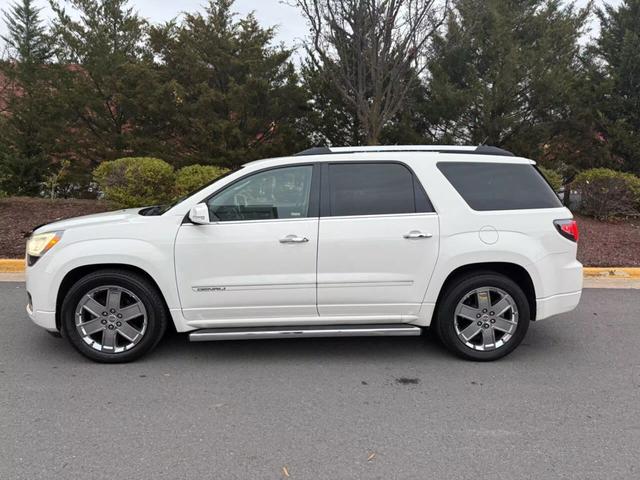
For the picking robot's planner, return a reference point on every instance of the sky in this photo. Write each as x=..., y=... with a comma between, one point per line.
x=291, y=27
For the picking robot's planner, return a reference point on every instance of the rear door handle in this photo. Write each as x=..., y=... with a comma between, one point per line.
x=417, y=234
x=294, y=239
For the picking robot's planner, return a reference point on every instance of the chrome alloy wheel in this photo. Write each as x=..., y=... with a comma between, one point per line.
x=486, y=318
x=111, y=319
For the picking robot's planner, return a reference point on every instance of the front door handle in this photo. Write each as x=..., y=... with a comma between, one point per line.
x=294, y=239
x=417, y=234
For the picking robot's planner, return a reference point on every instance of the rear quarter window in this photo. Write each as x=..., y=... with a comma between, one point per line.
x=500, y=186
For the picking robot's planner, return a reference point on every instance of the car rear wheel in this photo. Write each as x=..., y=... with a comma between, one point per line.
x=113, y=316
x=483, y=316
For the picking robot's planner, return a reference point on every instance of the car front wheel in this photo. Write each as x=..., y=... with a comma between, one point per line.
x=113, y=316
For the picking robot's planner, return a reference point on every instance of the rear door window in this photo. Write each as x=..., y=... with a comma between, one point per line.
x=374, y=189
x=500, y=186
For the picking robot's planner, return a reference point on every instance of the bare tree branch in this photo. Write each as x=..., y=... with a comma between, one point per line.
x=372, y=51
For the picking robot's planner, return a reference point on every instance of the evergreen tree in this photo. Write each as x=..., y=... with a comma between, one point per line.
x=105, y=77
x=329, y=121
x=504, y=73
x=232, y=96
x=411, y=125
x=618, y=48
x=28, y=128
x=26, y=38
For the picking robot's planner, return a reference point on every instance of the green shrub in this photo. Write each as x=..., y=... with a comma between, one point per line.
x=553, y=177
x=607, y=193
x=135, y=182
x=193, y=177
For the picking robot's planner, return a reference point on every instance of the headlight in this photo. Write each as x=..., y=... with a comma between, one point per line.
x=38, y=245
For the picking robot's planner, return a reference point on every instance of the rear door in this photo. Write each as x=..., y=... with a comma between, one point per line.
x=378, y=241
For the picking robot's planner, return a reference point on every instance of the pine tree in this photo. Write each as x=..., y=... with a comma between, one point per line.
x=27, y=39
x=618, y=47
x=28, y=128
x=230, y=95
x=105, y=78
x=504, y=73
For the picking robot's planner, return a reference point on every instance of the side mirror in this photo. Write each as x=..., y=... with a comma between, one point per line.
x=199, y=214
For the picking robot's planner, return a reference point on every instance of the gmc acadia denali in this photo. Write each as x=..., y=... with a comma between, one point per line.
x=353, y=241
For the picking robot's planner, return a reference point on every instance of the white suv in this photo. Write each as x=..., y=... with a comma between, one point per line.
x=358, y=241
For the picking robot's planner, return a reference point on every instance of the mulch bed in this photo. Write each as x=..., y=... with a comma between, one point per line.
x=609, y=244
x=602, y=244
x=19, y=215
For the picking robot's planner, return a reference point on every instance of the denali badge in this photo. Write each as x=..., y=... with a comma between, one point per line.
x=209, y=289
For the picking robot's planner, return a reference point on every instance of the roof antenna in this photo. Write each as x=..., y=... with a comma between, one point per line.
x=484, y=142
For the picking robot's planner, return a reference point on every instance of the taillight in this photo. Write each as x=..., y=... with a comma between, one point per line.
x=568, y=229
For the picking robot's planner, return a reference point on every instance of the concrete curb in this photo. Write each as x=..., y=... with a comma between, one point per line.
x=12, y=265
x=611, y=272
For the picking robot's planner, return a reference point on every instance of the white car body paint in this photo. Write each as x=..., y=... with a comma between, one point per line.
x=352, y=270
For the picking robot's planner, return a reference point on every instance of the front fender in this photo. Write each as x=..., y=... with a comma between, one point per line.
x=157, y=261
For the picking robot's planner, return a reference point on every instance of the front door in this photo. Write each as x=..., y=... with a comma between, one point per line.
x=257, y=257
x=378, y=242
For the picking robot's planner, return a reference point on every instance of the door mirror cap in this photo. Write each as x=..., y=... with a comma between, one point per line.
x=199, y=214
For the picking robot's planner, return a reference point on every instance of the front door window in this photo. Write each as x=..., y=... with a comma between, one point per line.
x=282, y=193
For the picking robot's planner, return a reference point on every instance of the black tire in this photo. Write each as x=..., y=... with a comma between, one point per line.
x=456, y=291
x=147, y=293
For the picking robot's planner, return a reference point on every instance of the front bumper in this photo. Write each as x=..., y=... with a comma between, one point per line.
x=46, y=320
x=41, y=306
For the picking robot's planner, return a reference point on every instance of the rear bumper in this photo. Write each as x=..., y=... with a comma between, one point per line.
x=556, y=304
x=557, y=281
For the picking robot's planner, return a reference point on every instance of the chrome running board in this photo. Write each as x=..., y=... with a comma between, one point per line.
x=395, y=330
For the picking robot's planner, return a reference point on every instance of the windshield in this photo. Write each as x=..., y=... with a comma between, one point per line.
x=162, y=209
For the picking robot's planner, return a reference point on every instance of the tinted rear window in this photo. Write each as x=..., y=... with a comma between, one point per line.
x=500, y=186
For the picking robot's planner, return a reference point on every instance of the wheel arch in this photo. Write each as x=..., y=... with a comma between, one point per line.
x=515, y=272
x=72, y=276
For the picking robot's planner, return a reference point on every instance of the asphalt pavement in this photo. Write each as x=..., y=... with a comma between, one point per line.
x=565, y=404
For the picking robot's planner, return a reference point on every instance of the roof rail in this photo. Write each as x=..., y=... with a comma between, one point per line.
x=489, y=150
x=314, y=151
x=480, y=150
